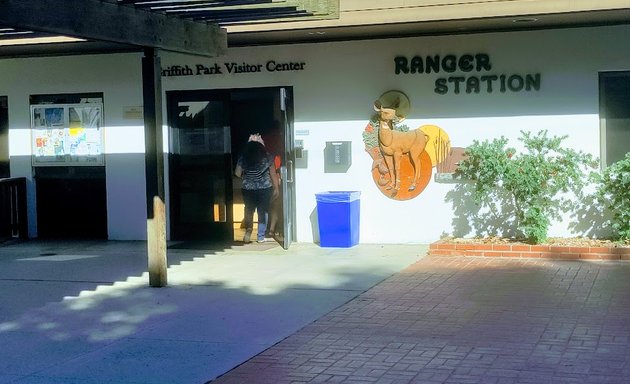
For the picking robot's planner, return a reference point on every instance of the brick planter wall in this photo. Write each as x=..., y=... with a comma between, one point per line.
x=530, y=251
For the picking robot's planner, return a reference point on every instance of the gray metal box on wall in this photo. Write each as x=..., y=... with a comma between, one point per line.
x=337, y=156
x=301, y=155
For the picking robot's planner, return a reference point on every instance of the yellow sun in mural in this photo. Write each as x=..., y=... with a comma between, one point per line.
x=438, y=145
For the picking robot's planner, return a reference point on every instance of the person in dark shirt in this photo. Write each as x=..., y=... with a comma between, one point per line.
x=260, y=184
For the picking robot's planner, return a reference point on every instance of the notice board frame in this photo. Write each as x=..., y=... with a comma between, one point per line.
x=67, y=134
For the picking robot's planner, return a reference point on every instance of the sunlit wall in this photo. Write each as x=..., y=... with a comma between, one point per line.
x=334, y=87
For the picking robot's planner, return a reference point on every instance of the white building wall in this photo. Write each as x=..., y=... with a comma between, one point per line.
x=333, y=99
x=118, y=77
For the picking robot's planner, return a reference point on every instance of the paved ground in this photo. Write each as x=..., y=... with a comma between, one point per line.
x=466, y=320
x=82, y=312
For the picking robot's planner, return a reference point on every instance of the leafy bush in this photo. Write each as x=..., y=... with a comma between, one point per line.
x=532, y=185
x=614, y=190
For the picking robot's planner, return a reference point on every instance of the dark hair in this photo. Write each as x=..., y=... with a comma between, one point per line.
x=253, y=153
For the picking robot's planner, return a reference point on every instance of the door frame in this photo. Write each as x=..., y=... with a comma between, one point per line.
x=288, y=168
x=283, y=102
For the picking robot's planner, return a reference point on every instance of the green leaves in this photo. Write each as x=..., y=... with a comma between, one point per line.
x=532, y=184
x=614, y=192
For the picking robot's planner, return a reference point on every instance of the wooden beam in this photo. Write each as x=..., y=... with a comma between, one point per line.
x=154, y=165
x=234, y=11
x=325, y=8
x=105, y=21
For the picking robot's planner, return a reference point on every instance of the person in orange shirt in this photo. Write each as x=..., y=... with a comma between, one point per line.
x=274, y=144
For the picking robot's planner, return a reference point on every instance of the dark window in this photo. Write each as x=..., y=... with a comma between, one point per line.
x=4, y=138
x=615, y=115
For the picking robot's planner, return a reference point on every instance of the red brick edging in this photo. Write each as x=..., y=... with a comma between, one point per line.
x=530, y=251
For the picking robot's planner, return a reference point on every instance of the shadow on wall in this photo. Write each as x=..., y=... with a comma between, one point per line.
x=314, y=219
x=591, y=218
x=588, y=217
x=470, y=219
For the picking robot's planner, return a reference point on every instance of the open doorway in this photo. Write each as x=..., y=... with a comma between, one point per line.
x=208, y=130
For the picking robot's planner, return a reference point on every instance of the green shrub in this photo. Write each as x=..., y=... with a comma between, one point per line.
x=533, y=185
x=614, y=190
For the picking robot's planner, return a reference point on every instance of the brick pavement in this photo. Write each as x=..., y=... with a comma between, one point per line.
x=466, y=320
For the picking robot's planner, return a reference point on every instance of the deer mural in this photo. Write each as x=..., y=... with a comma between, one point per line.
x=394, y=144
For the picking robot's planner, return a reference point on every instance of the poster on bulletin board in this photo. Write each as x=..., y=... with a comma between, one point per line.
x=67, y=134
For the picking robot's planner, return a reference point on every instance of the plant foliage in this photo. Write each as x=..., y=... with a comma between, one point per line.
x=532, y=185
x=614, y=190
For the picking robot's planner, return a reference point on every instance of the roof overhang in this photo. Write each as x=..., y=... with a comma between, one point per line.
x=345, y=31
x=35, y=27
x=114, y=23
x=200, y=26
x=370, y=19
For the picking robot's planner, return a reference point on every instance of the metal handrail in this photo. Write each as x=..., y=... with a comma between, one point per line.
x=13, y=216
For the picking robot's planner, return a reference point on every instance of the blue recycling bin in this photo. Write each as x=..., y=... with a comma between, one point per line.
x=338, y=217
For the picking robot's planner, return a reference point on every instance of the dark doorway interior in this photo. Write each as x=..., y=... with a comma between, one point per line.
x=257, y=111
x=71, y=202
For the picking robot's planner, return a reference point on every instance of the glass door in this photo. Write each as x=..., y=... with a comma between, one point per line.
x=287, y=171
x=200, y=166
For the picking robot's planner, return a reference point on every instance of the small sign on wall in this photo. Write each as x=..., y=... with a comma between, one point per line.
x=133, y=113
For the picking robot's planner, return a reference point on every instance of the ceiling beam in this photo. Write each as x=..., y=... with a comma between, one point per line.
x=246, y=11
x=107, y=21
x=329, y=8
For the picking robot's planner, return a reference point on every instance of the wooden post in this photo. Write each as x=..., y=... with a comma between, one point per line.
x=154, y=163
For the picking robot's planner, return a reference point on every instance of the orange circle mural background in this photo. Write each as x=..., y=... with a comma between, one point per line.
x=406, y=177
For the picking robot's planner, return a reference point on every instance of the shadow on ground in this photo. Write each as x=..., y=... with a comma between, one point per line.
x=76, y=320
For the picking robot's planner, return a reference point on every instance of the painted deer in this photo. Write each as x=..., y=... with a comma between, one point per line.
x=394, y=144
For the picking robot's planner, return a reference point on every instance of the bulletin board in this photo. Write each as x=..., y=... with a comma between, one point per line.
x=67, y=134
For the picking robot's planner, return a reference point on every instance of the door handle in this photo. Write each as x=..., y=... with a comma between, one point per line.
x=289, y=171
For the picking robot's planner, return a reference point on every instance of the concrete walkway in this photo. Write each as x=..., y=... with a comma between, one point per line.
x=466, y=320
x=82, y=312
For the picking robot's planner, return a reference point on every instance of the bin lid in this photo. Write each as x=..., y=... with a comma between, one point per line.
x=337, y=196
